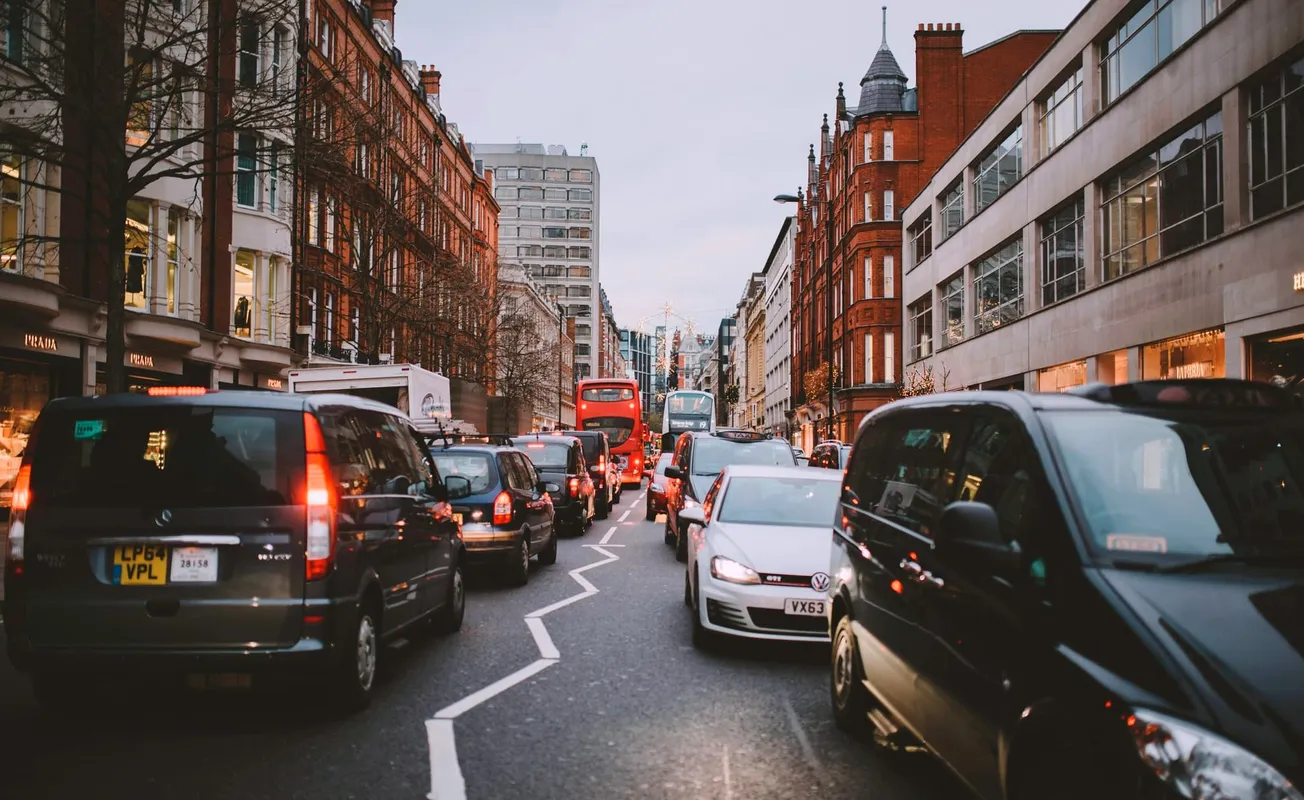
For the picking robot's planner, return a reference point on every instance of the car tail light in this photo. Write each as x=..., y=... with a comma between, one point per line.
x=602, y=463
x=176, y=391
x=503, y=509
x=320, y=501
x=574, y=485
x=22, y=499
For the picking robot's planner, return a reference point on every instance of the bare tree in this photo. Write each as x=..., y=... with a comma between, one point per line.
x=119, y=95
x=526, y=355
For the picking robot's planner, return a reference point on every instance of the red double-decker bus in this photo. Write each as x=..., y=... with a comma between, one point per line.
x=612, y=405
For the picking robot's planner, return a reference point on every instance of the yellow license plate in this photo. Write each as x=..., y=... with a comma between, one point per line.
x=457, y=518
x=140, y=565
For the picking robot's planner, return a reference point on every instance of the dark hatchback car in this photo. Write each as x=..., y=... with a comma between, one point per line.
x=699, y=457
x=603, y=468
x=559, y=461
x=830, y=455
x=225, y=533
x=656, y=488
x=507, y=518
x=1086, y=595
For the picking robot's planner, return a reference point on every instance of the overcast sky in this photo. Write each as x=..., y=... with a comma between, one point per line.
x=698, y=112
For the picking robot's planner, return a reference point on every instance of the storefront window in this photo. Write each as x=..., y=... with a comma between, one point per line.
x=1196, y=355
x=1063, y=377
x=1279, y=359
x=11, y=211
x=1112, y=367
x=139, y=245
x=242, y=308
x=24, y=391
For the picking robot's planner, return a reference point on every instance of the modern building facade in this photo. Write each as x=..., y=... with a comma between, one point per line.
x=724, y=342
x=872, y=161
x=549, y=223
x=1144, y=218
x=639, y=352
x=778, y=321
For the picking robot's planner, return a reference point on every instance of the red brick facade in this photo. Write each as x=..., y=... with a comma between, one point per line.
x=852, y=175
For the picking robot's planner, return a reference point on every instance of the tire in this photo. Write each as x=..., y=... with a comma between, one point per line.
x=548, y=556
x=703, y=639
x=354, y=680
x=669, y=531
x=848, y=696
x=518, y=571
x=681, y=545
x=651, y=513
x=603, y=509
x=688, y=590
x=449, y=618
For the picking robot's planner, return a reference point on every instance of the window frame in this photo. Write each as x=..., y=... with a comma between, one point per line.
x=990, y=165
x=1006, y=259
x=952, y=202
x=1050, y=229
x=921, y=311
x=1260, y=108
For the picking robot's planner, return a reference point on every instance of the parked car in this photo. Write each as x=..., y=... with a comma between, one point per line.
x=757, y=555
x=830, y=455
x=508, y=516
x=603, y=469
x=656, y=488
x=226, y=532
x=698, y=458
x=1083, y=595
x=559, y=461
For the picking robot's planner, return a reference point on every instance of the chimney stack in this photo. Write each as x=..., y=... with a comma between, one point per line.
x=430, y=80
x=384, y=9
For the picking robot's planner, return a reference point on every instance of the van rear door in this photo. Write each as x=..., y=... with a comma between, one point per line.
x=172, y=524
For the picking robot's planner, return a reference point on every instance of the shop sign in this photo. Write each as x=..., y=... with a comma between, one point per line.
x=148, y=361
x=39, y=342
x=140, y=360
x=1299, y=281
x=275, y=384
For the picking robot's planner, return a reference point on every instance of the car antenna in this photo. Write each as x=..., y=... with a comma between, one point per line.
x=440, y=424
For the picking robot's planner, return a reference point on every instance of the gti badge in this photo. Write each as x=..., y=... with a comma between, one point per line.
x=163, y=519
x=819, y=582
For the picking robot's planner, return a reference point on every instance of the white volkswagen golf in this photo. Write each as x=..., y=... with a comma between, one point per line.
x=758, y=554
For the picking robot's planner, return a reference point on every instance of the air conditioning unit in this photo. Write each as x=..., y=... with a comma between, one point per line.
x=387, y=358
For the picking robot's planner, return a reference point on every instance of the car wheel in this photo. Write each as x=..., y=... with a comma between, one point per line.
x=681, y=545
x=355, y=676
x=669, y=531
x=651, y=512
x=703, y=639
x=688, y=590
x=847, y=692
x=548, y=556
x=519, y=573
x=604, y=508
x=449, y=618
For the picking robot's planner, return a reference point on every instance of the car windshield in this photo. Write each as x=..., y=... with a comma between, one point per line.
x=475, y=467
x=798, y=502
x=711, y=454
x=689, y=404
x=195, y=456
x=1186, y=483
x=546, y=455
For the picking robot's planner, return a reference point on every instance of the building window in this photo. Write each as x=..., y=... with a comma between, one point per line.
x=581, y=195
x=1063, y=264
x=998, y=288
x=1154, y=31
x=13, y=29
x=577, y=252
x=531, y=174
x=581, y=176
x=889, y=207
x=579, y=233
x=869, y=207
x=579, y=272
x=1063, y=377
x=250, y=44
x=1061, y=114
x=246, y=171
x=869, y=278
x=279, y=37
x=1276, y=145
x=888, y=146
x=1195, y=355
x=889, y=276
x=274, y=174
x=921, y=329
x=245, y=284
x=314, y=216
x=579, y=213
x=952, y=209
x=998, y=170
x=953, y=310
x=531, y=212
x=869, y=147
x=921, y=237
x=173, y=257
x=554, y=174
x=553, y=233
x=138, y=251
x=1166, y=201
x=11, y=211
x=530, y=193
x=889, y=357
x=329, y=333
x=869, y=357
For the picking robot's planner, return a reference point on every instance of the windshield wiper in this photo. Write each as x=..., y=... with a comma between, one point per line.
x=1254, y=559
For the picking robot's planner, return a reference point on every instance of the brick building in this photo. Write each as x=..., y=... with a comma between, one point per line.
x=398, y=229
x=871, y=163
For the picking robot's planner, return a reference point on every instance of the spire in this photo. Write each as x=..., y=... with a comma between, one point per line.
x=884, y=82
x=883, y=46
x=842, y=103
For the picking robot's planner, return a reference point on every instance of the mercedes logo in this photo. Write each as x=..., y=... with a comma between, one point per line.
x=819, y=582
x=164, y=518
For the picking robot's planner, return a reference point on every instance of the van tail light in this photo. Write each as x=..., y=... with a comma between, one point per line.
x=602, y=463
x=503, y=509
x=320, y=501
x=574, y=485
x=22, y=499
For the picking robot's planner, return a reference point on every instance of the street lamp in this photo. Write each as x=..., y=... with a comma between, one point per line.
x=828, y=286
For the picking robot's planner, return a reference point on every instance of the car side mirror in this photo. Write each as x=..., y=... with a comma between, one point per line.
x=675, y=473
x=969, y=536
x=457, y=486
x=693, y=516
x=541, y=487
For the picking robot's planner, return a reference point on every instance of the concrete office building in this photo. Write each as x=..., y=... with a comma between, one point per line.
x=1130, y=210
x=549, y=225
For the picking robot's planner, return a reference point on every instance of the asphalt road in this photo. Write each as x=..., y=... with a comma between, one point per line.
x=627, y=708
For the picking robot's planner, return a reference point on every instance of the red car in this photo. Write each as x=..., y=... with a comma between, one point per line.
x=656, y=490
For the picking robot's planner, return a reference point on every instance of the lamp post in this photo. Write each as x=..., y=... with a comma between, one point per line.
x=828, y=285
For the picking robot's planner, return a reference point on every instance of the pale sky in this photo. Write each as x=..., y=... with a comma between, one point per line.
x=698, y=112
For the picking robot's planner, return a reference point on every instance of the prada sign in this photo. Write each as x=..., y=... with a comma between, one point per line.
x=40, y=342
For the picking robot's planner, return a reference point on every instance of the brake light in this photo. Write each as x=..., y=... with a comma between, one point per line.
x=503, y=509
x=602, y=462
x=22, y=500
x=574, y=486
x=319, y=549
x=176, y=391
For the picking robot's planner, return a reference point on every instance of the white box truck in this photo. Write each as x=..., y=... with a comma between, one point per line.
x=423, y=395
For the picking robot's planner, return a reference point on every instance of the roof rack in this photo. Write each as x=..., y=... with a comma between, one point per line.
x=450, y=439
x=1225, y=393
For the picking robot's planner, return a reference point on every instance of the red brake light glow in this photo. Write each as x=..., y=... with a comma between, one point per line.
x=574, y=485
x=319, y=498
x=176, y=391
x=503, y=509
x=533, y=446
x=22, y=489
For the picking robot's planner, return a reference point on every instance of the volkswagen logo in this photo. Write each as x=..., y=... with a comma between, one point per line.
x=819, y=582
x=163, y=519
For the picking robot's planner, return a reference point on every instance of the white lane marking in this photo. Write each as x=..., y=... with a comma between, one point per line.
x=541, y=638
x=728, y=781
x=625, y=516
x=446, y=779
x=610, y=532
x=601, y=545
x=802, y=740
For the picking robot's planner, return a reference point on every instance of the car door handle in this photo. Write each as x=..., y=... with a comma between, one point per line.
x=930, y=579
x=912, y=567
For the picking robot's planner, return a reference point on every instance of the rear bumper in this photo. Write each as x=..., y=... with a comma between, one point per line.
x=571, y=514
x=306, y=656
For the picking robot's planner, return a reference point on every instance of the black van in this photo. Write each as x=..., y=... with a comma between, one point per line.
x=561, y=465
x=207, y=533
x=604, y=469
x=1086, y=595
